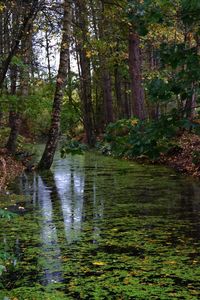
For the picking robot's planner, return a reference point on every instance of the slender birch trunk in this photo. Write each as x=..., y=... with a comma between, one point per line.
x=54, y=132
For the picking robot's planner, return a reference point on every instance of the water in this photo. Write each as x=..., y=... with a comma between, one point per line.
x=101, y=228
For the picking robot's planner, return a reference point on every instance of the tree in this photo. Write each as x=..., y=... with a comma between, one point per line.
x=136, y=77
x=21, y=74
x=54, y=132
x=85, y=72
x=22, y=32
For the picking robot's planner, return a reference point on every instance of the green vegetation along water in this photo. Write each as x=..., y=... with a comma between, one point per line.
x=101, y=228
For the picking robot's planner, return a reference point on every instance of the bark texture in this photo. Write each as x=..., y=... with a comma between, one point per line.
x=136, y=77
x=85, y=73
x=54, y=132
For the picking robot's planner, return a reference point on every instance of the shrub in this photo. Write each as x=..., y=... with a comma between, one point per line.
x=72, y=147
x=134, y=138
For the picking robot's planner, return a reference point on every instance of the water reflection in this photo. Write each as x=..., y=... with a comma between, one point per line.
x=70, y=186
x=51, y=251
x=84, y=199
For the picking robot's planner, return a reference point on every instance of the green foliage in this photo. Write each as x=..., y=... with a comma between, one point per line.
x=72, y=147
x=4, y=133
x=8, y=101
x=70, y=118
x=6, y=214
x=38, y=106
x=18, y=62
x=22, y=144
x=159, y=90
x=150, y=138
x=4, y=257
x=35, y=293
x=117, y=135
x=190, y=11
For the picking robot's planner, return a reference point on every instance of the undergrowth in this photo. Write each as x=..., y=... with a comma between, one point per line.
x=134, y=139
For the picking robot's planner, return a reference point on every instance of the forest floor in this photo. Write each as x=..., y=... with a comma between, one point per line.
x=9, y=168
x=186, y=158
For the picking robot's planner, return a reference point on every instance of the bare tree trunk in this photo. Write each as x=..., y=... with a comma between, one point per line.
x=126, y=100
x=107, y=95
x=86, y=94
x=85, y=73
x=136, y=77
x=14, y=118
x=190, y=103
x=15, y=123
x=48, y=55
x=106, y=78
x=118, y=91
x=54, y=132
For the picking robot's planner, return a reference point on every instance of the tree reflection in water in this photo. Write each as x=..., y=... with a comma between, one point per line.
x=51, y=250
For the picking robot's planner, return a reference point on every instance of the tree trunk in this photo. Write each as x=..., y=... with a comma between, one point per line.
x=107, y=95
x=14, y=117
x=190, y=103
x=15, y=123
x=118, y=91
x=28, y=19
x=48, y=55
x=86, y=95
x=126, y=100
x=53, y=136
x=136, y=77
x=85, y=73
x=14, y=120
x=15, y=114
x=105, y=73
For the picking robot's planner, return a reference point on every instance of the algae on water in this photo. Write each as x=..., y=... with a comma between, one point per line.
x=101, y=228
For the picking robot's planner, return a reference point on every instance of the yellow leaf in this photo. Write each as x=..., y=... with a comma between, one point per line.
x=195, y=261
x=134, y=122
x=171, y=262
x=99, y=263
x=88, y=54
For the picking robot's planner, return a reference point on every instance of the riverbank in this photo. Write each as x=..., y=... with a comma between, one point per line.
x=183, y=155
x=185, y=158
x=9, y=168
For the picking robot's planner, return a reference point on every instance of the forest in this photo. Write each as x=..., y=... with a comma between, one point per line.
x=83, y=78
x=126, y=72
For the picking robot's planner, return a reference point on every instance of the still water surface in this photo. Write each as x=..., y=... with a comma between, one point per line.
x=101, y=228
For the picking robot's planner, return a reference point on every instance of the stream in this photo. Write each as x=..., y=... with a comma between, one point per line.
x=95, y=227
